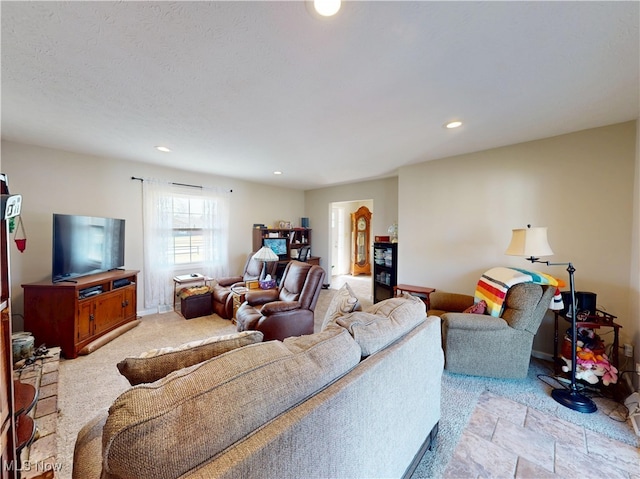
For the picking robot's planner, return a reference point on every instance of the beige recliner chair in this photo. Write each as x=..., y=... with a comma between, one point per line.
x=482, y=345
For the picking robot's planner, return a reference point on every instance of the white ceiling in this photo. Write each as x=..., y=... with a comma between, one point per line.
x=241, y=89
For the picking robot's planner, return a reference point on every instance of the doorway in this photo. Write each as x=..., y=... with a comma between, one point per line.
x=340, y=250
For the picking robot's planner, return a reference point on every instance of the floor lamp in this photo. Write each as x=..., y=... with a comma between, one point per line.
x=532, y=243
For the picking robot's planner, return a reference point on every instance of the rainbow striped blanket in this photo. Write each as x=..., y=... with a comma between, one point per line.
x=494, y=284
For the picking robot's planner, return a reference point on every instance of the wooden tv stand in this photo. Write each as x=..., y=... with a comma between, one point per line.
x=74, y=314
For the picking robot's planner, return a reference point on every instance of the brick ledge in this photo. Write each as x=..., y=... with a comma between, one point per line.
x=38, y=460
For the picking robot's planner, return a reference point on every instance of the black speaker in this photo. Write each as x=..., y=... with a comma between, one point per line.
x=585, y=301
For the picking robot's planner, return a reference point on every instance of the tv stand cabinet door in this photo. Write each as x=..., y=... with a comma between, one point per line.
x=109, y=311
x=130, y=302
x=84, y=321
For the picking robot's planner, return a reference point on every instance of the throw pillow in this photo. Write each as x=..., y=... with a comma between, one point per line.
x=344, y=301
x=157, y=363
x=384, y=322
x=478, y=308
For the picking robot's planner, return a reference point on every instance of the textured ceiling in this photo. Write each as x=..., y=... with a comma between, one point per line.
x=241, y=89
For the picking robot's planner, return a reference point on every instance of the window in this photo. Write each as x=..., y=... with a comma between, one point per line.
x=188, y=237
x=186, y=229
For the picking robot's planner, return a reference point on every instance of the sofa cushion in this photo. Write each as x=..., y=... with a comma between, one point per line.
x=384, y=322
x=195, y=413
x=157, y=363
x=194, y=291
x=344, y=301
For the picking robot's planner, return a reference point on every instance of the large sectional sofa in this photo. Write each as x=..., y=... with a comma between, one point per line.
x=361, y=398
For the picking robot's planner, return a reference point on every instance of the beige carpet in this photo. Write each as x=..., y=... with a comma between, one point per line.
x=89, y=384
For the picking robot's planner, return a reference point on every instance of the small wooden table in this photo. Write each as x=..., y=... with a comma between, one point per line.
x=421, y=291
x=238, y=293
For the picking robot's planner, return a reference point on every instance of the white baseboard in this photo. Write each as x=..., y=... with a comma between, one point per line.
x=541, y=355
x=156, y=310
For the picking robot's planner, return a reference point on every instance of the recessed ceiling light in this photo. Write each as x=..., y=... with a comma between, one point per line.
x=163, y=148
x=453, y=124
x=327, y=8
x=277, y=172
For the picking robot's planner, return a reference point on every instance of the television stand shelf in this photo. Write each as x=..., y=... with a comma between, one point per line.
x=80, y=314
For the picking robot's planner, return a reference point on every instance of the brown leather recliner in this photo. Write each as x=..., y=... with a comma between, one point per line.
x=222, y=299
x=288, y=310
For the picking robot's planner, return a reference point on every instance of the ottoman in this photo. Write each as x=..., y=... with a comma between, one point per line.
x=195, y=302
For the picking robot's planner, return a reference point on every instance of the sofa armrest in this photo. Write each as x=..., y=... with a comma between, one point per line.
x=281, y=325
x=473, y=322
x=229, y=281
x=450, y=302
x=87, y=455
x=279, y=307
x=256, y=297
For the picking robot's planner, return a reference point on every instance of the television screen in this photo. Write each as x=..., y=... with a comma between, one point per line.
x=277, y=245
x=84, y=245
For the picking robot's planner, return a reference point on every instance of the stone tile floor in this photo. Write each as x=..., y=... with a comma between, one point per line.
x=508, y=439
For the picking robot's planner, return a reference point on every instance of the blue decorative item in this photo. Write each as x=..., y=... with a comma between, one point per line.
x=267, y=284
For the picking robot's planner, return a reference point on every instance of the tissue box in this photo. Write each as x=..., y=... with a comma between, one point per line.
x=268, y=284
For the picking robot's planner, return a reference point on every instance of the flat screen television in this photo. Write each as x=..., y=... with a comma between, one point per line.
x=84, y=245
x=277, y=245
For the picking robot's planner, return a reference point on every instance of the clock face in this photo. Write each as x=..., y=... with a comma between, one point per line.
x=362, y=224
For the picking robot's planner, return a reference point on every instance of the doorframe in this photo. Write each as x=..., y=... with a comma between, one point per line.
x=339, y=240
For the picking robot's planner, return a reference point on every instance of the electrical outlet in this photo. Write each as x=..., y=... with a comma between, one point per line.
x=628, y=350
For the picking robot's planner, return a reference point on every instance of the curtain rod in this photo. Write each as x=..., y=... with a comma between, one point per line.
x=176, y=184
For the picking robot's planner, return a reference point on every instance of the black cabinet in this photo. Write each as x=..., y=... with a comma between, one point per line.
x=385, y=270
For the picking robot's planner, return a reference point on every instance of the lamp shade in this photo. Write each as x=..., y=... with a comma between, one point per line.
x=530, y=242
x=266, y=255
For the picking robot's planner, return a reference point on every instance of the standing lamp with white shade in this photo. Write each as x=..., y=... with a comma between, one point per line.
x=532, y=243
x=266, y=255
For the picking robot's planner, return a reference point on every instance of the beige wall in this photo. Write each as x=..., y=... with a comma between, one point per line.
x=634, y=278
x=53, y=181
x=456, y=216
x=384, y=200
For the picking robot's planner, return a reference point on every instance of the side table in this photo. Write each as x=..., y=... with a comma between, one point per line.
x=596, y=321
x=421, y=291
x=238, y=293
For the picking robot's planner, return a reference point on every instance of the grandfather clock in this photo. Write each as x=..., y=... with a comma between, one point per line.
x=361, y=240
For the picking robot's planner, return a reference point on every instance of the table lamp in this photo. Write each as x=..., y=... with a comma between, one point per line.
x=265, y=255
x=532, y=243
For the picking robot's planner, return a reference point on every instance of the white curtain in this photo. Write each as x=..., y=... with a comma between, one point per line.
x=215, y=231
x=158, y=214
